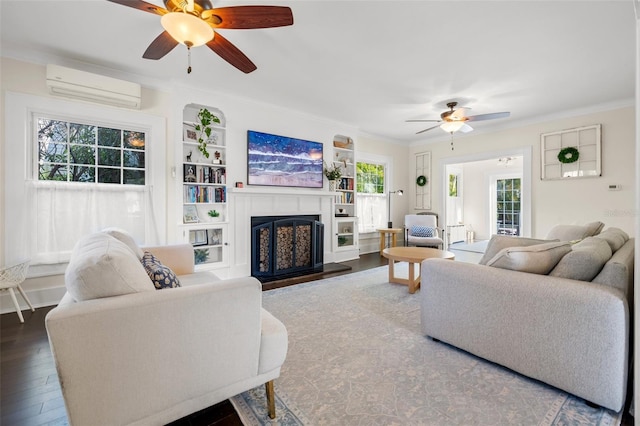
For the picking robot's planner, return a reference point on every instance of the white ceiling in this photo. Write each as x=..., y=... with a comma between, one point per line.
x=372, y=64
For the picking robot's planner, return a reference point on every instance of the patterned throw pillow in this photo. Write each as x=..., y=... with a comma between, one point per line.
x=161, y=276
x=422, y=231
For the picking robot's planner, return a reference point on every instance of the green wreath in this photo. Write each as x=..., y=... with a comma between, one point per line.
x=568, y=155
x=421, y=181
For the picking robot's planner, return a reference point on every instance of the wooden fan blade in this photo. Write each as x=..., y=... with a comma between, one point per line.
x=142, y=5
x=159, y=47
x=422, y=121
x=248, y=17
x=490, y=116
x=426, y=130
x=231, y=54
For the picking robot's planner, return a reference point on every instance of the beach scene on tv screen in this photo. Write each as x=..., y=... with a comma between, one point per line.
x=282, y=161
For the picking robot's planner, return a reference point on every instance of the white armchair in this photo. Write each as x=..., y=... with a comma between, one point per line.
x=152, y=357
x=422, y=230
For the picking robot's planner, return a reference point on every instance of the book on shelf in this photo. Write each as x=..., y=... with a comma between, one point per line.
x=204, y=194
x=204, y=174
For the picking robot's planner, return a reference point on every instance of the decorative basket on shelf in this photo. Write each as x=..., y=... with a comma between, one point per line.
x=343, y=144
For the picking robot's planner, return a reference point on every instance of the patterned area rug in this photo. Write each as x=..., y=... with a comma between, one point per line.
x=357, y=357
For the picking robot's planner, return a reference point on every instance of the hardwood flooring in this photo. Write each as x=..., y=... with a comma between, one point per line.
x=29, y=388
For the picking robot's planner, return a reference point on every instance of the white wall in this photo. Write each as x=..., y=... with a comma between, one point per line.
x=241, y=113
x=559, y=201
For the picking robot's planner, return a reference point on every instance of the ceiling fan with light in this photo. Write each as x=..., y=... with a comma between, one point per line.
x=195, y=22
x=455, y=120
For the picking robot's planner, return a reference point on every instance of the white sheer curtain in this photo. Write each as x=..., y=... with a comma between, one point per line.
x=62, y=212
x=371, y=212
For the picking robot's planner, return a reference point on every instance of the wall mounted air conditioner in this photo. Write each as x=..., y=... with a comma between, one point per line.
x=83, y=85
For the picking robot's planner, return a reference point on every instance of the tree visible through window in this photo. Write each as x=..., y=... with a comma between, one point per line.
x=72, y=152
x=371, y=196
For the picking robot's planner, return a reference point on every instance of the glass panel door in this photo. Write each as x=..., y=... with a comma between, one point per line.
x=508, y=206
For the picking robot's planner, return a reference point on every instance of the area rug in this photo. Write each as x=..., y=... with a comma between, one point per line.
x=357, y=357
x=476, y=247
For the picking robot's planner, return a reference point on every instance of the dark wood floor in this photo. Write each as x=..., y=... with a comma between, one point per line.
x=29, y=388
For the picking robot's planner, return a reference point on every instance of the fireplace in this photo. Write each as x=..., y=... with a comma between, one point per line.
x=285, y=246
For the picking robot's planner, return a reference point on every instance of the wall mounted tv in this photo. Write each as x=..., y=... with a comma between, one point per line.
x=282, y=161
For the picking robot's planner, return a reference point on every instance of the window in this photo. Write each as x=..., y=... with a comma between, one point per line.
x=73, y=152
x=371, y=196
x=77, y=168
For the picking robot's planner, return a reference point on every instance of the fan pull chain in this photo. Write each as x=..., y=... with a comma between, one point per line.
x=451, y=141
x=189, y=59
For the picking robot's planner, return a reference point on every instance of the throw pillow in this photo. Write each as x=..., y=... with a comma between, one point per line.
x=422, y=231
x=585, y=260
x=574, y=232
x=536, y=259
x=616, y=238
x=125, y=237
x=499, y=242
x=102, y=266
x=161, y=276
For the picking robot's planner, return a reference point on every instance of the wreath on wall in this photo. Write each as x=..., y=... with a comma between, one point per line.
x=421, y=180
x=568, y=155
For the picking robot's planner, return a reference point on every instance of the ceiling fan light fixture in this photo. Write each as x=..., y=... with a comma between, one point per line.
x=187, y=29
x=452, y=126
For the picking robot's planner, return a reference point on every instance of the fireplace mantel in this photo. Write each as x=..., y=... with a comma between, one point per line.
x=245, y=203
x=275, y=190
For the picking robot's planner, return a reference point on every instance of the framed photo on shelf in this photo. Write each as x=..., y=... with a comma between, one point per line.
x=214, y=237
x=189, y=133
x=198, y=237
x=190, y=214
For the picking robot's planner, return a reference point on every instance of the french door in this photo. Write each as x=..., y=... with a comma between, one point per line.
x=506, y=205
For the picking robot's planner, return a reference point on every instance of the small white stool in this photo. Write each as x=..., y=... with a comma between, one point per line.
x=11, y=277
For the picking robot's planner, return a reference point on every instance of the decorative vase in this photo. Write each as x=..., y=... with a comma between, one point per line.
x=332, y=185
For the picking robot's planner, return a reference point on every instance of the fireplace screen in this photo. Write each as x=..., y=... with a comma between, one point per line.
x=282, y=246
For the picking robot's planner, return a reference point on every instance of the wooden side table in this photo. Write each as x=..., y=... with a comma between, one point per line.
x=388, y=231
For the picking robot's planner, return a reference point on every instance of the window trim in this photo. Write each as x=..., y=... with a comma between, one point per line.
x=20, y=161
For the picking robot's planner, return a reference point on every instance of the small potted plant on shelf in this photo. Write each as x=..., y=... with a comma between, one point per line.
x=214, y=215
x=203, y=127
x=332, y=173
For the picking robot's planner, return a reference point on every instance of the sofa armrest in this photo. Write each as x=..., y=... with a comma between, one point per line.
x=178, y=257
x=570, y=334
x=148, y=352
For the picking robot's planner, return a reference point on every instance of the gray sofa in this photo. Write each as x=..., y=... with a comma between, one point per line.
x=572, y=334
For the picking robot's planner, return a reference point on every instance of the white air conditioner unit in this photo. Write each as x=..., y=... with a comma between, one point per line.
x=83, y=85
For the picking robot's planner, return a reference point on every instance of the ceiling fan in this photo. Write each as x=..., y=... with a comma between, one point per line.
x=195, y=22
x=455, y=120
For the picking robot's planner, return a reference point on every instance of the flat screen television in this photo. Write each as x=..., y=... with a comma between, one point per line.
x=282, y=161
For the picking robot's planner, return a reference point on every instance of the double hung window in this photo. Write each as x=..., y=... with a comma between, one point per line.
x=371, y=196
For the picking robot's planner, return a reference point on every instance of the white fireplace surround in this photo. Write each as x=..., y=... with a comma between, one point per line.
x=245, y=203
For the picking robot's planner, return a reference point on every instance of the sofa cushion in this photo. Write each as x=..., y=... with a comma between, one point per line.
x=161, y=276
x=616, y=238
x=422, y=231
x=574, y=232
x=585, y=260
x=499, y=242
x=102, y=266
x=535, y=259
x=126, y=238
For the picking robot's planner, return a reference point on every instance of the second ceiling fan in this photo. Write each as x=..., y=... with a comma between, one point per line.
x=455, y=120
x=195, y=22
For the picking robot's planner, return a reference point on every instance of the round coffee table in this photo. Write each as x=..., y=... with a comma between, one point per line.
x=412, y=255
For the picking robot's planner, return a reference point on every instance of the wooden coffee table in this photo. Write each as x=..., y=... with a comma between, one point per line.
x=412, y=255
